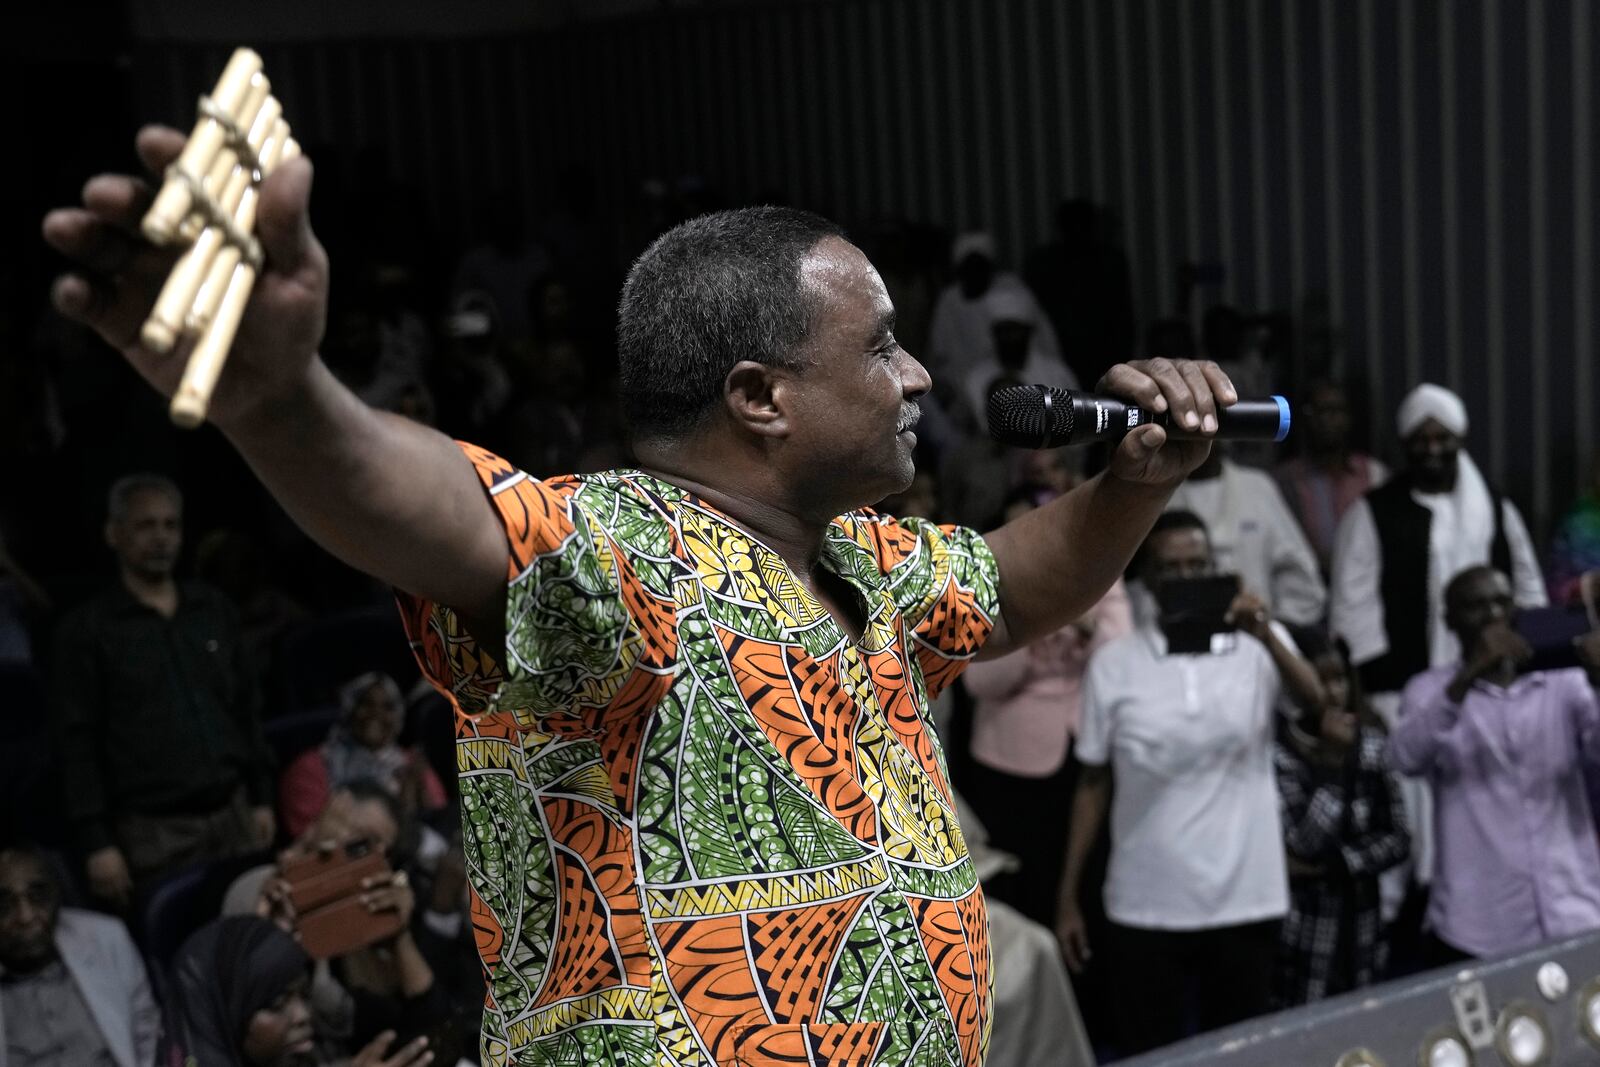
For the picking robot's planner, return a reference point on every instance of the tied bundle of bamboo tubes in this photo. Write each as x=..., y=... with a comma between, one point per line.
x=208, y=202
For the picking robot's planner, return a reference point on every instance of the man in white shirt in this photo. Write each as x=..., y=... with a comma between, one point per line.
x=1197, y=885
x=1394, y=551
x=1255, y=535
x=1018, y=352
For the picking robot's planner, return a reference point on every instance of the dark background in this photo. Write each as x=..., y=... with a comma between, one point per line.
x=1410, y=180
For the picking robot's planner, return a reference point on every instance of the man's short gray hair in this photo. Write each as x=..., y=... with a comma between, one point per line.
x=707, y=294
x=124, y=489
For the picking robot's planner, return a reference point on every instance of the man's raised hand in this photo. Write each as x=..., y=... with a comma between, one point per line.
x=116, y=274
x=1190, y=391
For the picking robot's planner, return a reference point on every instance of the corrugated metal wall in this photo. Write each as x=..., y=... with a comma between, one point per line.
x=1425, y=166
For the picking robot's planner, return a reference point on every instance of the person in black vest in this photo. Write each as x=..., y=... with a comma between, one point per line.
x=1395, y=550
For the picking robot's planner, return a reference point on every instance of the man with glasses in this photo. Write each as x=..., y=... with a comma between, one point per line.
x=72, y=986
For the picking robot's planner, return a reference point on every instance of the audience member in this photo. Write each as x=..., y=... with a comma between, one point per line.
x=976, y=475
x=241, y=990
x=1393, y=553
x=1085, y=285
x=163, y=759
x=1344, y=823
x=1017, y=352
x=1397, y=547
x=1026, y=714
x=73, y=989
x=1575, y=548
x=961, y=335
x=1179, y=747
x=390, y=985
x=382, y=350
x=1516, y=862
x=471, y=379
x=1254, y=536
x=360, y=811
x=504, y=265
x=363, y=745
x=1329, y=475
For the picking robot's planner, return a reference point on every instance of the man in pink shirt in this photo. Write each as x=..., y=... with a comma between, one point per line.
x=1516, y=862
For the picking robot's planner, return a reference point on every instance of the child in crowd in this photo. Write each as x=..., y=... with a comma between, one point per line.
x=1343, y=825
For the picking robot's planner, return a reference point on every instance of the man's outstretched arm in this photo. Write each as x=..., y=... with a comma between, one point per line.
x=1057, y=561
x=386, y=495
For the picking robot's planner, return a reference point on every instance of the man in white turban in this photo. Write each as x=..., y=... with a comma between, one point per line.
x=1394, y=552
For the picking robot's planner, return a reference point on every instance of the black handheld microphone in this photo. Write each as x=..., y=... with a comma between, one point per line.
x=1039, y=416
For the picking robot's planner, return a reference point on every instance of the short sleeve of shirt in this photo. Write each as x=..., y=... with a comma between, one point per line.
x=586, y=641
x=944, y=583
x=1093, y=746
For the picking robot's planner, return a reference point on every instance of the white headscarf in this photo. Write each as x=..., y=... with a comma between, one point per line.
x=348, y=759
x=1429, y=401
x=1010, y=304
x=975, y=242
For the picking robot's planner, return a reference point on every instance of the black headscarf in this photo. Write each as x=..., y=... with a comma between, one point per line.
x=227, y=971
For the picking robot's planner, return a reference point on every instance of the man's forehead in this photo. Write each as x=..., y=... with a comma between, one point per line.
x=1485, y=585
x=1429, y=429
x=840, y=272
x=1183, y=539
x=21, y=869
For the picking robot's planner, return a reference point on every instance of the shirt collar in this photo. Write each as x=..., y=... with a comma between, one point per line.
x=1520, y=684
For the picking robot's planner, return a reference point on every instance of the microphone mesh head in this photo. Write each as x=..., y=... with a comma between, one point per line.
x=1018, y=415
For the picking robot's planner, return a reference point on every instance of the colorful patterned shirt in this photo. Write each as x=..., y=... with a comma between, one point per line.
x=704, y=826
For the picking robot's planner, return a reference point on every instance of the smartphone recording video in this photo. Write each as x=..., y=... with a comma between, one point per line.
x=1194, y=609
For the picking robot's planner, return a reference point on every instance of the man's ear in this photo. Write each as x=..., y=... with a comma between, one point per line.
x=757, y=397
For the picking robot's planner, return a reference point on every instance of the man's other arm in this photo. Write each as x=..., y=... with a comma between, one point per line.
x=384, y=494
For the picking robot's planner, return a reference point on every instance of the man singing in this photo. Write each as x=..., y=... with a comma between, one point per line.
x=706, y=819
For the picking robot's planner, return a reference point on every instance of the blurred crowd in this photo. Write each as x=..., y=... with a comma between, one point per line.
x=216, y=735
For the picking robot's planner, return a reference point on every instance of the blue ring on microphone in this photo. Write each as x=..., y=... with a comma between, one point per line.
x=1283, y=417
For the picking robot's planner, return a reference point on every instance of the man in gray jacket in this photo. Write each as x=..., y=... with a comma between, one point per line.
x=73, y=987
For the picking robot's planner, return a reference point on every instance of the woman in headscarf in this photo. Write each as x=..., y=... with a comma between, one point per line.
x=363, y=745
x=241, y=989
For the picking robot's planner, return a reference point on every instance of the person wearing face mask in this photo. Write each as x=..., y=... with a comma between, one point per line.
x=241, y=987
x=363, y=746
x=1516, y=861
x=1343, y=825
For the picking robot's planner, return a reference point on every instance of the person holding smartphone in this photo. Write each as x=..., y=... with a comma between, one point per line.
x=1516, y=862
x=1196, y=886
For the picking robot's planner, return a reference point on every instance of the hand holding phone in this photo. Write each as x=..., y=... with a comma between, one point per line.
x=331, y=891
x=1193, y=609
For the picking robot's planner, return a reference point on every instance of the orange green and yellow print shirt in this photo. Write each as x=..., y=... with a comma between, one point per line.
x=704, y=826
